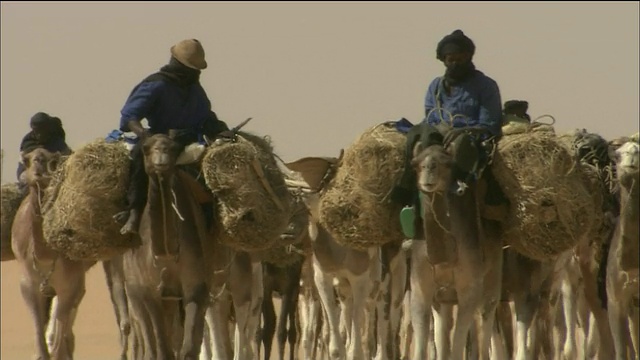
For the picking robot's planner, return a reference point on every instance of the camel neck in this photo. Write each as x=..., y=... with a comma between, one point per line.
x=163, y=220
x=629, y=212
x=34, y=200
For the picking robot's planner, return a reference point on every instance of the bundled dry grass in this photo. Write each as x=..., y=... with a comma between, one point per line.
x=551, y=206
x=84, y=195
x=356, y=207
x=11, y=199
x=292, y=247
x=251, y=216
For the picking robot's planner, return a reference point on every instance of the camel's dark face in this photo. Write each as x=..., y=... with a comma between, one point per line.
x=591, y=148
x=627, y=159
x=39, y=165
x=160, y=155
x=433, y=168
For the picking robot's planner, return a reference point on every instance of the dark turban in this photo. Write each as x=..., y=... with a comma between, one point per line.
x=457, y=41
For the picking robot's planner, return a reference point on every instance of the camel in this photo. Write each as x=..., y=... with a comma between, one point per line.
x=284, y=281
x=232, y=272
x=623, y=263
x=389, y=301
x=173, y=261
x=528, y=284
x=582, y=279
x=312, y=337
x=46, y=273
x=356, y=272
x=474, y=274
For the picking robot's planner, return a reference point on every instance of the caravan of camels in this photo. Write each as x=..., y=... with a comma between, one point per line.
x=355, y=279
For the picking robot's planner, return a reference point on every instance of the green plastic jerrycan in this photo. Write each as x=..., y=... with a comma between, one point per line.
x=407, y=217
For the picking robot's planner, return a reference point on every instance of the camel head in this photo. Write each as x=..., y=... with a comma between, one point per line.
x=627, y=158
x=40, y=164
x=591, y=148
x=433, y=167
x=160, y=155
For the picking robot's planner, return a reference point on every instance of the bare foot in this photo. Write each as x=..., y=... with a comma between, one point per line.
x=129, y=228
x=121, y=217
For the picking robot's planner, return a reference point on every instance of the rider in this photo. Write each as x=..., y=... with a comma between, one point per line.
x=470, y=102
x=46, y=133
x=171, y=99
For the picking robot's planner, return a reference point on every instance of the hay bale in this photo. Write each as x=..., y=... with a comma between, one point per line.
x=252, y=211
x=11, y=199
x=292, y=247
x=356, y=207
x=551, y=207
x=84, y=195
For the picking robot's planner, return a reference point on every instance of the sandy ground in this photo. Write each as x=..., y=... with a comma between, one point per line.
x=95, y=328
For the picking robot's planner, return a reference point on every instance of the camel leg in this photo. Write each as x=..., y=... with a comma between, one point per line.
x=324, y=285
x=442, y=324
x=605, y=348
x=569, y=307
x=257, y=297
x=289, y=306
x=149, y=322
x=69, y=291
x=241, y=273
x=36, y=303
x=421, y=297
x=468, y=301
x=398, y=286
x=195, y=305
x=217, y=317
x=382, y=304
x=505, y=324
x=346, y=311
x=114, y=274
x=498, y=348
x=269, y=327
x=306, y=324
x=619, y=329
x=205, y=347
x=544, y=327
x=486, y=318
x=634, y=328
x=525, y=306
x=138, y=348
x=559, y=329
x=361, y=288
x=405, y=326
x=50, y=308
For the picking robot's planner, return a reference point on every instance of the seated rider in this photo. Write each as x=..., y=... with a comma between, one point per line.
x=46, y=133
x=467, y=100
x=171, y=99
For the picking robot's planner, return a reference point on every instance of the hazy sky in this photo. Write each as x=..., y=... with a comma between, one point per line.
x=314, y=75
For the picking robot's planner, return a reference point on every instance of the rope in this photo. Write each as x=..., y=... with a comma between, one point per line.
x=164, y=219
x=260, y=173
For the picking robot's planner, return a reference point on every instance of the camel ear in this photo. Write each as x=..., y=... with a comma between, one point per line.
x=312, y=169
x=417, y=149
x=147, y=144
x=614, y=145
x=53, y=162
x=25, y=159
